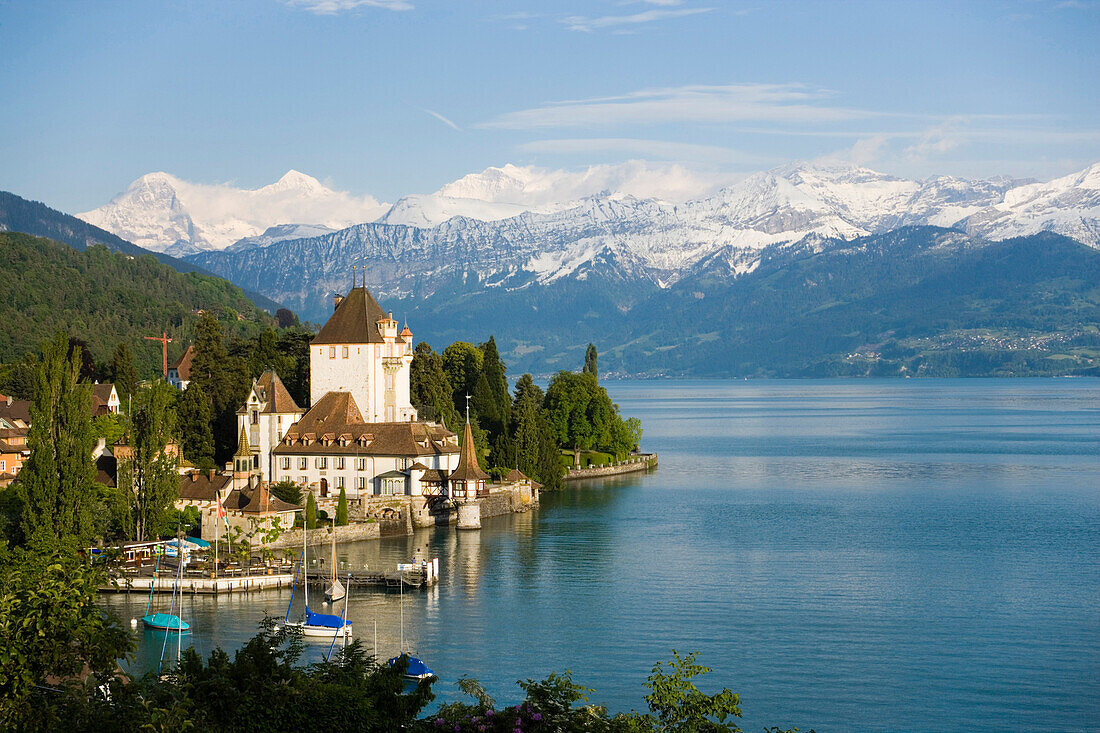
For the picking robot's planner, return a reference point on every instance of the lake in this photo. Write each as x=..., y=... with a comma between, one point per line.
x=847, y=555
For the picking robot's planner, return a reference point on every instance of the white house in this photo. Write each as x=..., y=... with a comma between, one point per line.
x=266, y=416
x=333, y=448
x=179, y=373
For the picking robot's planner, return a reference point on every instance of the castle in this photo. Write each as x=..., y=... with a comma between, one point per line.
x=361, y=433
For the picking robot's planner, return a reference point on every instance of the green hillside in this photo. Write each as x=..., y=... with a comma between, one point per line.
x=105, y=297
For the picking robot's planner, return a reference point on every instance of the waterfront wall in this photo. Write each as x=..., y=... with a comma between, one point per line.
x=355, y=532
x=641, y=462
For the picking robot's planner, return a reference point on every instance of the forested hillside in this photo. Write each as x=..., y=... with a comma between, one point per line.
x=105, y=298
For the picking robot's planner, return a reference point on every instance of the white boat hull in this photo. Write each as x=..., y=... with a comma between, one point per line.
x=320, y=632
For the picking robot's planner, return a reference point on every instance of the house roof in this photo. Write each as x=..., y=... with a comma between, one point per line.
x=182, y=365
x=468, y=469
x=257, y=500
x=355, y=321
x=106, y=470
x=12, y=410
x=103, y=391
x=334, y=426
x=273, y=395
x=198, y=486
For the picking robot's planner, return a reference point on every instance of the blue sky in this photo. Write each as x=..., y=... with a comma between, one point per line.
x=401, y=96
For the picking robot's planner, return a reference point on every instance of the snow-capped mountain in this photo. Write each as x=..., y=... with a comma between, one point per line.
x=1069, y=205
x=646, y=239
x=166, y=214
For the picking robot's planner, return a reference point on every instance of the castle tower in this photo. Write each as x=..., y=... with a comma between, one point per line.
x=244, y=463
x=360, y=351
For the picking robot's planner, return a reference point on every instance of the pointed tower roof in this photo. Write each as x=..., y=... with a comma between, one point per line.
x=355, y=321
x=468, y=470
x=272, y=391
x=244, y=449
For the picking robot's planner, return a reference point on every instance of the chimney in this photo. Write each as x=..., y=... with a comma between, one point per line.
x=194, y=476
x=336, y=301
x=210, y=474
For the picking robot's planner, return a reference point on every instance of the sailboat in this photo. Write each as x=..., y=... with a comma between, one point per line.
x=335, y=591
x=164, y=621
x=416, y=669
x=317, y=625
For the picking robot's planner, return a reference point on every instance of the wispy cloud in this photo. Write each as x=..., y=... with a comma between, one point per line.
x=620, y=22
x=441, y=118
x=796, y=103
x=649, y=150
x=333, y=7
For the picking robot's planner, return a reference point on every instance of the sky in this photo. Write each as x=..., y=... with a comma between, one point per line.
x=391, y=97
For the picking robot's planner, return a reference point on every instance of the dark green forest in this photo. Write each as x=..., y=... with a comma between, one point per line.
x=105, y=298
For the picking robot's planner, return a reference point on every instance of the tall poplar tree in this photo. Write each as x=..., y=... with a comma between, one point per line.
x=590, y=366
x=56, y=485
x=224, y=379
x=194, y=419
x=123, y=373
x=149, y=478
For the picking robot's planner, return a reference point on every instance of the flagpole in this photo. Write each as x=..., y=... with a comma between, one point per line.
x=217, y=520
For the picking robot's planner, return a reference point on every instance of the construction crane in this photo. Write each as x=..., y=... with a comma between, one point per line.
x=164, y=341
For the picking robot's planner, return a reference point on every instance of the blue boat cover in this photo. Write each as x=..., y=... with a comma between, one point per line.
x=324, y=619
x=417, y=668
x=168, y=621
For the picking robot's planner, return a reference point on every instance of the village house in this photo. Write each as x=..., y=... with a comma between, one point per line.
x=179, y=372
x=105, y=399
x=267, y=414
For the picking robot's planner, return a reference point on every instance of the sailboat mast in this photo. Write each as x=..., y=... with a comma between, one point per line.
x=305, y=560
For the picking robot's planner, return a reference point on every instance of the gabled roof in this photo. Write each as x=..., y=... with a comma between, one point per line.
x=355, y=321
x=468, y=469
x=13, y=411
x=271, y=390
x=257, y=500
x=103, y=391
x=334, y=426
x=203, y=486
x=182, y=365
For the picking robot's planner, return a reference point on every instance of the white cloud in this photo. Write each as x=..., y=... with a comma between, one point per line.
x=649, y=149
x=533, y=187
x=587, y=25
x=332, y=7
x=441, y=118
x=788, y=103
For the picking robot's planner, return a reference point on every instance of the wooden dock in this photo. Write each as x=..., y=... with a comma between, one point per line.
x=419, y=578
x=200, y=585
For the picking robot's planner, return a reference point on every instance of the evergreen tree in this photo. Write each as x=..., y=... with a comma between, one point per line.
x=462, y=365
x=149, y=477
x=196, y=434
x=342, y=509
x=56, y=485
x=224, y=379
x=311, y=511
x=123, y=373
x=590, y=366
x=430, y=392
x=535, y=452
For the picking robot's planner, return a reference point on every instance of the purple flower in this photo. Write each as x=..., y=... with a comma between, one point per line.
x=439, y=722
x=489, y=713
x=458, y=729
x=536, y=716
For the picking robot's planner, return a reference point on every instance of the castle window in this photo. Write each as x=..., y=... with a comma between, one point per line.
x=322, y=462
x=345, y=352
x=339, y=482
x=303, y=463
x=332, y=352
x=362, y=483
x=255, y=417
x=285, y=463
x=340, y=463
x=362, y=464
x=255, y=461
x=303, y=480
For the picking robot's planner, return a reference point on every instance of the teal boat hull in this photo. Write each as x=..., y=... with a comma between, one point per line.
x=165, y=622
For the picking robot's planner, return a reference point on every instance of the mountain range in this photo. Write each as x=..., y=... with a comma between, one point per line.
x=643, y=276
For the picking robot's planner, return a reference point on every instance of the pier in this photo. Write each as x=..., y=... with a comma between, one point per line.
x=408, y=575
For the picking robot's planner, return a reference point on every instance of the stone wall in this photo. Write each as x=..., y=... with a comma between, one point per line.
x=351, y=533
x=643, y=462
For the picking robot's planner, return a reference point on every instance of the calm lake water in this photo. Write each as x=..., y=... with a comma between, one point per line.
x=847, y=555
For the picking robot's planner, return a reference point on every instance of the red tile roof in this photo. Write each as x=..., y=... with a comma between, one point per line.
x=355, y=321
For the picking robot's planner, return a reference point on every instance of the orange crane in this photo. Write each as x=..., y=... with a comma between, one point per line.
x=164, y=341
